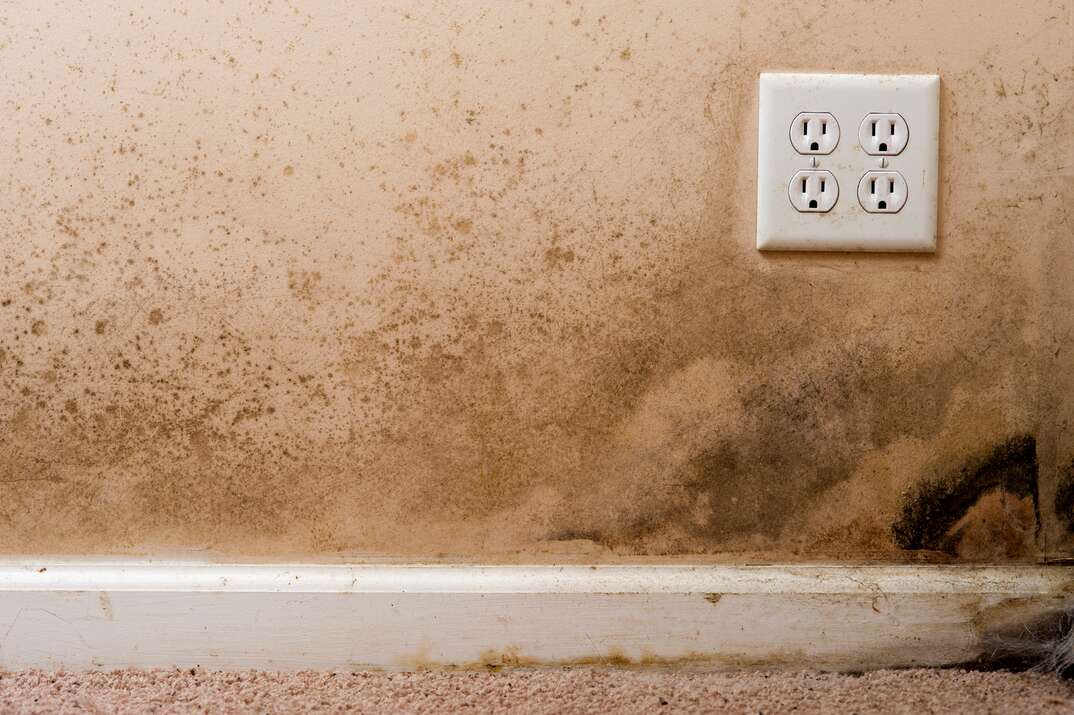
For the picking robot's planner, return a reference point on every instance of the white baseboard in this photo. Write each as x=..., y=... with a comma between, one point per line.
x=291, y=617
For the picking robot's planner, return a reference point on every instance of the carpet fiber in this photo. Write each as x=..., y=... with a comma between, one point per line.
x=542, y=691
x=581, y=690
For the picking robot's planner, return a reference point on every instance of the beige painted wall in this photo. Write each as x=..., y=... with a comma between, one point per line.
x=449, y=280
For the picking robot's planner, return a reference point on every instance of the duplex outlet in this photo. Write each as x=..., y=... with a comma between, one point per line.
x=890, y=164
x=813, y=191
x=814, y=133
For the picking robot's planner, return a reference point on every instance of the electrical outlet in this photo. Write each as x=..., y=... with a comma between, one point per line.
x=813, y=191
x=882, y=192
x=883, y=134
x=814, y=133
x=900, y=153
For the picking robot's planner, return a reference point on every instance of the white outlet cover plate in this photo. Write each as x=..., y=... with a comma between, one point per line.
x=848, y=97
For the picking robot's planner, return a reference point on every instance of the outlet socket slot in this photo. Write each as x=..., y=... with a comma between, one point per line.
x=814, y=133
x=813, y=191
x=883, y=134
x=882, y=192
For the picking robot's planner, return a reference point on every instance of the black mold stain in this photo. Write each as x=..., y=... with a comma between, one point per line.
x=934, y=506
x=1064, y=497
x=578, y=535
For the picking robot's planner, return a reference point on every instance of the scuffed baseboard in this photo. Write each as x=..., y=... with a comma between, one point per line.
x=101, y=616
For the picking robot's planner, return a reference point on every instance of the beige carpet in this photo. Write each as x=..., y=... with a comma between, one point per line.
x=548, y=691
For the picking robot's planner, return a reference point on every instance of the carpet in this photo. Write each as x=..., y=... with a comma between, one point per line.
x=534, y=691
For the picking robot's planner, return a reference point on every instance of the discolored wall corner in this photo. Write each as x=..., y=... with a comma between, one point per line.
x=447, y=281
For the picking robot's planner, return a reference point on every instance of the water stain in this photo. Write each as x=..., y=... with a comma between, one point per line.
x=495, y=660
x=471, y=302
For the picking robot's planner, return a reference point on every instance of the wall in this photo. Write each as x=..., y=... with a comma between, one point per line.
x=439, y=280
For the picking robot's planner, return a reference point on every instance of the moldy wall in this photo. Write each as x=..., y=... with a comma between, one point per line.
x=437, y=280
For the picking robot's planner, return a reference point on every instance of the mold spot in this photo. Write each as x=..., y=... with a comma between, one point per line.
x=156, y=316
x=575, y=535
x=303, y=284
x=106, y=606
x=933, y=507
x=558, y=258
x=1064, y=497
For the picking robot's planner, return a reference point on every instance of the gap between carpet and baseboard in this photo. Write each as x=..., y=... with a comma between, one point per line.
x=97, y=615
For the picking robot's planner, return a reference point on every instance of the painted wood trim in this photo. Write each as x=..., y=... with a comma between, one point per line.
x=98, y=615
x=46, y=575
